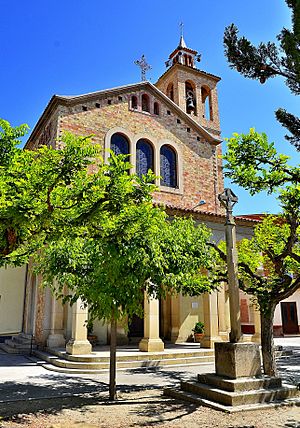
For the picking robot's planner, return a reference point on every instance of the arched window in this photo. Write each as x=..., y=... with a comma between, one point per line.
x=145, y=103
x=170, y=91
x=119, y=144
x=156, y=108
x=134, y=102
x=168, y=167
x=206, y=103
x=144, y=157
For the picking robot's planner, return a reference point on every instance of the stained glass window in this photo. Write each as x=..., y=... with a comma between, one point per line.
x=144, y=157
x=168, y=167
x=119, y=144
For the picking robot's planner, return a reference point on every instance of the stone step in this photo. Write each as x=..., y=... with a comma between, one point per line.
x=240, y=384
x=18, y=339
x=229, y=398
x=25, y=336
x=136, y=357
x=66, y=366
x=18, y=345
x=196, y=399
x=9, y=349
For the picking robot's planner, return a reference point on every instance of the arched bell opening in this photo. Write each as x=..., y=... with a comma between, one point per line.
x=190, y=96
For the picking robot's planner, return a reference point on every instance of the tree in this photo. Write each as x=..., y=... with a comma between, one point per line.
x=124, y=248
x=268, y=60
x=39, y=190
x=253, y=163
x=99, y=232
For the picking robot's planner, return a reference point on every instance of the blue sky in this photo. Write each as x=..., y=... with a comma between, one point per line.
x=72, y=47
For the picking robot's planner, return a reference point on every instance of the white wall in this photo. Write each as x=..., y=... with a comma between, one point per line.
x=294, y=298
x=12, y=286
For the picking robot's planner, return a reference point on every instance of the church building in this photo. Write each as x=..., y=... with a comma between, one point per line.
x=173, y=128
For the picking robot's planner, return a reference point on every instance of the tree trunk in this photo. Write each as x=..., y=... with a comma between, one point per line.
x=112, y=362
x=267, y=341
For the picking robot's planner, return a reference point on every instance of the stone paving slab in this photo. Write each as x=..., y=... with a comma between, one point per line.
x=22, y=378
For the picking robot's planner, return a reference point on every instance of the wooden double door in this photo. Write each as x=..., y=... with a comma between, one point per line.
x=289, y=318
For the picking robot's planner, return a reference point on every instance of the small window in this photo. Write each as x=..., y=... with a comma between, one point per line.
x=145, y=103
x=198, y=139
x=84, y=108
x=156, y=108
x=144, y=157
x=188, y=129
x=168, y=112
x=109, y=102
x=134, y=102
x=97, y=105
x=178, y=121
x=168, y=166
x=120, y=98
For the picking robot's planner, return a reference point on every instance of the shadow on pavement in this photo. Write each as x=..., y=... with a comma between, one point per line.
x=10, y=360
x=165, y=411
x=50, y=394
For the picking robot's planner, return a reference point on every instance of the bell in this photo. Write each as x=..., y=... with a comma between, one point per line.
x=190, y=104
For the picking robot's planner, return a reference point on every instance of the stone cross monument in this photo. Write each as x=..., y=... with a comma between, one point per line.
x=228, y=199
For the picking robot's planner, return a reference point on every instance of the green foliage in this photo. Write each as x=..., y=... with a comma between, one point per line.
x=9, y=140
x=124, y=248
x=42, y=190
x=97, y=234
x=199, y=327
x=253, y=163
x=268, y=60
x=269, y=263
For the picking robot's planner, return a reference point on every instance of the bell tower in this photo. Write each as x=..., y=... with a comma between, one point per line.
x=193, y=90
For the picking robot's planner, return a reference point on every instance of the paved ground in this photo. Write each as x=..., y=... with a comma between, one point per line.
x=42, y=398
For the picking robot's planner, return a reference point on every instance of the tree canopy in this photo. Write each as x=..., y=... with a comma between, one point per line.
x=39, y=190
x=125, y=247
x=268, y=60
x=269, y=263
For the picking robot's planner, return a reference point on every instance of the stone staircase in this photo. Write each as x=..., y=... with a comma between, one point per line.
x=60, y=361
x=20, y=344
x=233, y=395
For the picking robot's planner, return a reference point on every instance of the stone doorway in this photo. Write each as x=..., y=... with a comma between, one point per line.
x=136, y=329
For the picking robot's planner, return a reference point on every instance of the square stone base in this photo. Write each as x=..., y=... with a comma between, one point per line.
x=78, y=347
x=56, y=341
x=236, y=360
x=151, y=345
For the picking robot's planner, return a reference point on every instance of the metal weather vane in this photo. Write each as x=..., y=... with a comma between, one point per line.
x=144, y=66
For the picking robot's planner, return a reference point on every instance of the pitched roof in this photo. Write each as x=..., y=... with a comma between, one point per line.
x=209, y=216
x=74, y=99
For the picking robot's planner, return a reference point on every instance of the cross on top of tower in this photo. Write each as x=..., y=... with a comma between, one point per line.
x=144, y=66
x=182, y=43
x=181, y=25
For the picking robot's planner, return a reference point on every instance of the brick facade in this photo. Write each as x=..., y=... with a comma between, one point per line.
x=103, y=113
